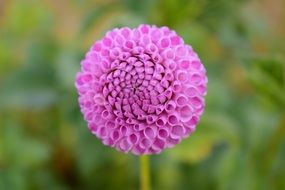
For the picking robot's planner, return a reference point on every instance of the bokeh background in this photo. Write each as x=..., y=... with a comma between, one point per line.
x=239, y=144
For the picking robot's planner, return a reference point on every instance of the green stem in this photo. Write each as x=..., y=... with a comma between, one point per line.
x=144, y=172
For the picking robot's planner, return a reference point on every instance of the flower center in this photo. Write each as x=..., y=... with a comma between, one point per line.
x=136, y=88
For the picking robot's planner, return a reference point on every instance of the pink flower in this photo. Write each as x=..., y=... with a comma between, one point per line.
x=141, y=90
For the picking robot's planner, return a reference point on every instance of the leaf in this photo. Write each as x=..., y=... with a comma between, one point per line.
x=215, y=128
x=27, y=88
x=92, y=17
x=267, y=77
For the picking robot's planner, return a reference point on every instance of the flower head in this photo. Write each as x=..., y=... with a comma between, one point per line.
x=141, y=90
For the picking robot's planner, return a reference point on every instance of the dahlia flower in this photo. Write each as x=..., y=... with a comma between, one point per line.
x=141, y=90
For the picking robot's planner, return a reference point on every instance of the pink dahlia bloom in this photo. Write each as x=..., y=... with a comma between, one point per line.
x=141, y=90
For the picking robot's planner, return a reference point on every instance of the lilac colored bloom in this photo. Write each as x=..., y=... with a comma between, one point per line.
x=141, y=90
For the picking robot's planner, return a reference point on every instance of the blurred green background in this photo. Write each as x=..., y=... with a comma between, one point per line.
x=239, y=143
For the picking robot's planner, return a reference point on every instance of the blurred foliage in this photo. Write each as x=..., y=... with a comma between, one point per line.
x=239, y=144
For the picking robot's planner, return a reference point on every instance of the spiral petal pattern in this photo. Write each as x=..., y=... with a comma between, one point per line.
x=141, y=90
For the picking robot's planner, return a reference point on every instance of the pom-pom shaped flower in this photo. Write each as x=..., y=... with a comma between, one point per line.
x=141, y=90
